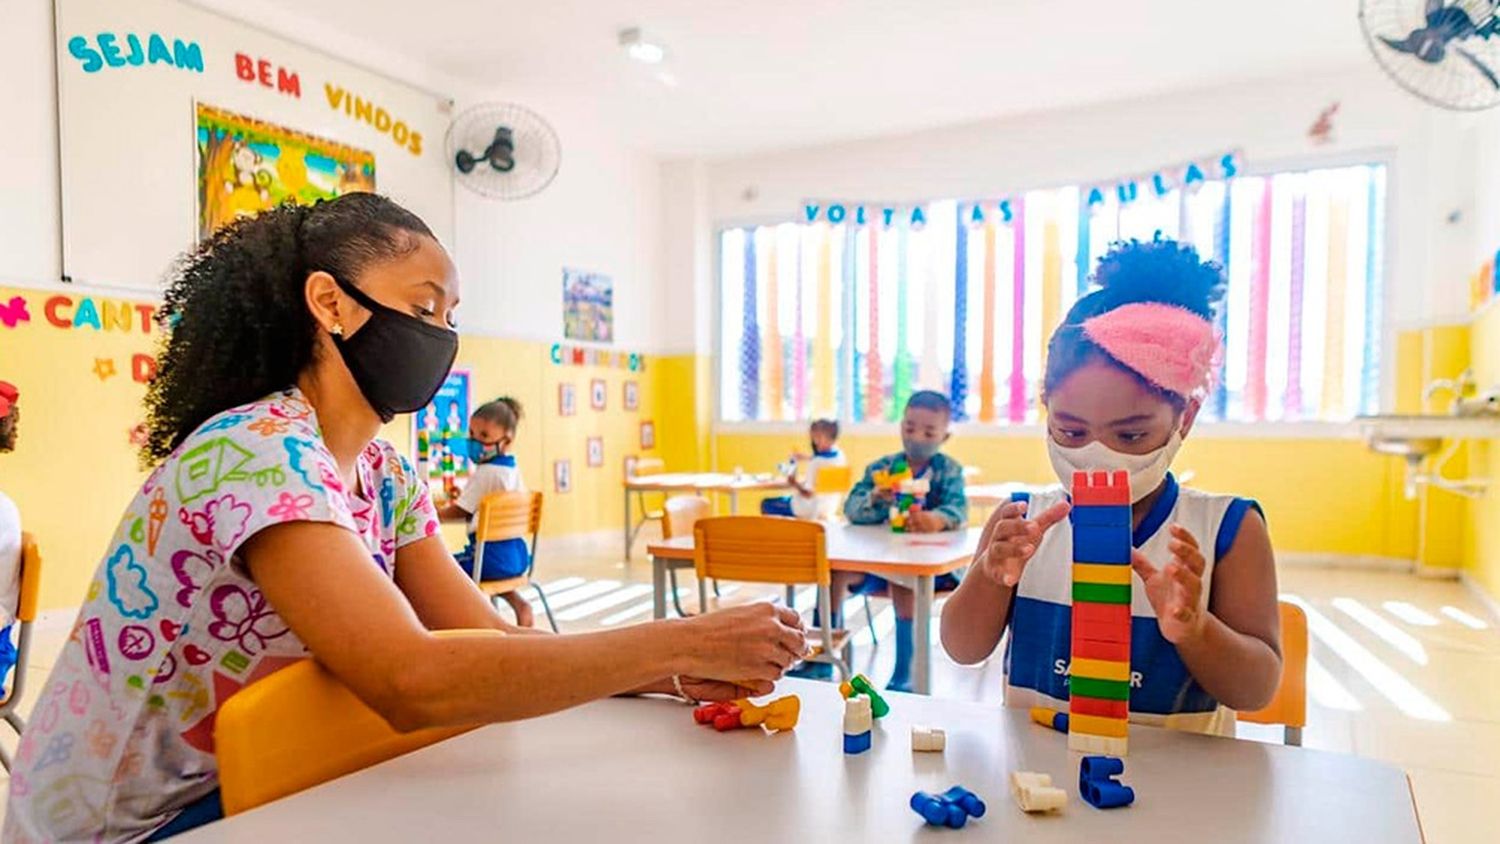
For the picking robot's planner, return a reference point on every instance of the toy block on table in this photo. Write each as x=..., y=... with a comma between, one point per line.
x=1035, y=793
x=1097, y=784
x=928, y=740
x=952, y=808
x=1099, y=668
x=1048, y=718
x=859, y=684
x=858, y=724
x=779, y=714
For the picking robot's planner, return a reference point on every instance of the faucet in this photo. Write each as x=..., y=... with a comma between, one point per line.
x=1459, y=388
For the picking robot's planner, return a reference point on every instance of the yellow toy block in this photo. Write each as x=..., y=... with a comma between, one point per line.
x=782, y=713
x=1096, y=726
x=1100, y=669
x=1105, y=574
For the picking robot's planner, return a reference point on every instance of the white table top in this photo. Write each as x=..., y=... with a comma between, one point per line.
x=641, y=770
x=872, y=548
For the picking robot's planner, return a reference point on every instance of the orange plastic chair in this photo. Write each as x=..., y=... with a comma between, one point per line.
x=301, y=727
x=678, y=517
x=503, y=516
x=642, y=467
x=31, y=582
x=768, y=549
x=1289, y=706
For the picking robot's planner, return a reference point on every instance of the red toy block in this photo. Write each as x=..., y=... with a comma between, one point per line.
x=708, y=713
x=1100, y=489
x=1089, y=613
x=729, y=719
x=1080, y=705
x=1108, y=650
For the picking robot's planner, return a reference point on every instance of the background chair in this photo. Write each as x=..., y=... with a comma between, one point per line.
x=767, y=549
x=644, y=467
x=301, y=727
x=510, y=515
x=1289, y=706
x=838, y=480
x=679, y=517
x=31, y=581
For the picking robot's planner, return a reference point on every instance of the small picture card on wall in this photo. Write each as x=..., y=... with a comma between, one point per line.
x=648, y=436
x=562, y=476
x=567, y=400
x=596, y=451
x=632, y=396
x=598, y=393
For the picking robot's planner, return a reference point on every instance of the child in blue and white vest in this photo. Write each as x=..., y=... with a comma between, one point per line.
x=805, y=502
x=492, y=431
x=1125, y=376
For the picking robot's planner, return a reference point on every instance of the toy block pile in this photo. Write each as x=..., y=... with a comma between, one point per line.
x=1099, y=671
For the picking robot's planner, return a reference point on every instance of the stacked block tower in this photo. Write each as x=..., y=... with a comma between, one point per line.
x=1099, y=671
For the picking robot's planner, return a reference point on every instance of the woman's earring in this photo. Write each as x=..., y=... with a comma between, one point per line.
x=337, y=330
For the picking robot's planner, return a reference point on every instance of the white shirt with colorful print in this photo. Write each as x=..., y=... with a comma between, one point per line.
x=121, y=738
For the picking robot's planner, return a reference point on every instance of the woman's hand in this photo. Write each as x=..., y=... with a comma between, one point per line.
x=710, y=691
x=1015, y=539
x=748, y=645
x=1176, y=589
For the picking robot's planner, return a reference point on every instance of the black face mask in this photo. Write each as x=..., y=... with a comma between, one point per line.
x=398, y=361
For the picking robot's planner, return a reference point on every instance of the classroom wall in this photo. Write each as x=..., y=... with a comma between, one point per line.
x=1324, y=491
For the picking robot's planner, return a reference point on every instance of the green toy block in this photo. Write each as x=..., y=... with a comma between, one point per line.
x=1101, y=593
x=1106, y=689
x=878, y=707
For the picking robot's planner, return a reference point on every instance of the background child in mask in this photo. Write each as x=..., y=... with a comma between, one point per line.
x=1125, y=375
x=10, y=535
x=492, y=430
x=805, y=503
x=924, y=430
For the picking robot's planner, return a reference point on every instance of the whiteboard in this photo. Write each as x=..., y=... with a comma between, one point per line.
x=130, y=78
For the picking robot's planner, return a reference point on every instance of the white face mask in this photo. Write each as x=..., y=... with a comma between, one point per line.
x=1147, y=471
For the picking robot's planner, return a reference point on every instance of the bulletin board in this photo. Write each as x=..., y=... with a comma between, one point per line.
x=135, y=81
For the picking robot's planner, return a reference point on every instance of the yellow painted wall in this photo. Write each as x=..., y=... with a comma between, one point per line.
x=1321, y=495
x=74, y=470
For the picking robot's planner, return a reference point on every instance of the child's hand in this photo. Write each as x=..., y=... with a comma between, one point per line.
x=1015, y=539
x=1176, y=589
x=883, y=496
x=922, y=521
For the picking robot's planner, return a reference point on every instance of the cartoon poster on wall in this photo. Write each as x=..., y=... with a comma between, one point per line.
x=247, y=165
x=441, y=431
x=588, y=306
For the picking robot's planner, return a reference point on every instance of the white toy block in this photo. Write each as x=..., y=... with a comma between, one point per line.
x=1035, y=793
x=1097, y=745
x=928, y=740
x=857, y=717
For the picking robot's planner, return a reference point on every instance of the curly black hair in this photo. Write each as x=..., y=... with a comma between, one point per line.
x=8, y=426
x=1160, y=270
x=235, y=316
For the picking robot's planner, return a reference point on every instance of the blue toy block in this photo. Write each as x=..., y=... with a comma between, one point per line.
x=857, y=743
x=1097, y=786
x=952, y=808
x=938, y=811
x=966, y=800
x=1100, y=516
x=1107, y=545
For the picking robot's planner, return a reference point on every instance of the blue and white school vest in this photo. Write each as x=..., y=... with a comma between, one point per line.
x=1162, y=692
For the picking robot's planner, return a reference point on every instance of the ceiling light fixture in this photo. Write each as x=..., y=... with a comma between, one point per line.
x=640, y=48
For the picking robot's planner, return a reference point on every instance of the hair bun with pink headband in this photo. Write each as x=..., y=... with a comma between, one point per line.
x=8, y=396
x=1169, y=346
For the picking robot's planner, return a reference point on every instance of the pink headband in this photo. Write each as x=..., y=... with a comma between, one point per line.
x=8, y=396
x=1171, y=347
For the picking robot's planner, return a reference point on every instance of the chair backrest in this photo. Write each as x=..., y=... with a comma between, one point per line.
x=31, y=578
x=508, y=515
x=682, y=513
x=648, y=466
x=300, y=727
x=761, y=549
x=831, y=479
x=1289, y=706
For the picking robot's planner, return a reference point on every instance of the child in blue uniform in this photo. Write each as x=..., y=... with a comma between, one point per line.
x=1126, y=373
x=492, y=430
x=924, y=430
x=805, y=503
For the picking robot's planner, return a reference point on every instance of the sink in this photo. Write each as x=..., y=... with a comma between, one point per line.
x=1416, y=438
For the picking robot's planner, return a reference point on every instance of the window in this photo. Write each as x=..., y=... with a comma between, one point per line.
x=846, y=320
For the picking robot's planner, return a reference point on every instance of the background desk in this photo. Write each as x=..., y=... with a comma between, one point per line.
x=697, y=484
x=641, y=770
x=909, y=559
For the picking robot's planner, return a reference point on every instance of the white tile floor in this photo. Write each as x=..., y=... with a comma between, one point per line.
x=1401, y=671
